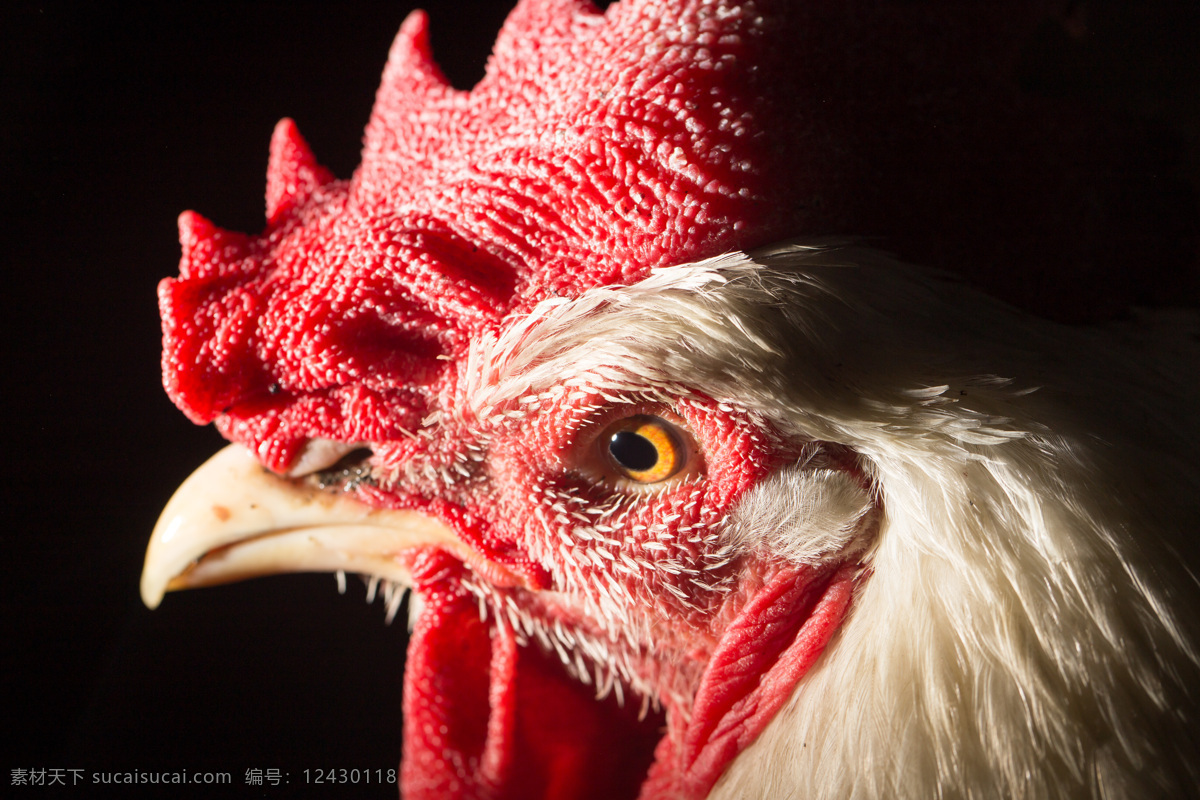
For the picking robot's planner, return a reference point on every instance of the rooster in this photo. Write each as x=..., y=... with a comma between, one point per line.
x=687, y=512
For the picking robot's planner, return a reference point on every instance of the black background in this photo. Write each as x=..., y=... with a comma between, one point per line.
x=113, y=121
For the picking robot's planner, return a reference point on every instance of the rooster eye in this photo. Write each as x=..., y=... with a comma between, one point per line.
x=644, y=449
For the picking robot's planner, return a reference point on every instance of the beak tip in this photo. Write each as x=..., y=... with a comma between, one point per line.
x=152, y=594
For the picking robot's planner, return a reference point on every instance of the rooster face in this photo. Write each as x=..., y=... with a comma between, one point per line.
x=777, y=522
x=576, y=504
x=841, y=554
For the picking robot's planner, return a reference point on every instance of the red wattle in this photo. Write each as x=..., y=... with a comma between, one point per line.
x=758, y=661
x=518, y=728
x=447, y=694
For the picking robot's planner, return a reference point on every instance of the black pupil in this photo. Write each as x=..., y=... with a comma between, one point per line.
x=632, y=451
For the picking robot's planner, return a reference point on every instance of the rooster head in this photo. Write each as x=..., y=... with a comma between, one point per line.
x=639, y=479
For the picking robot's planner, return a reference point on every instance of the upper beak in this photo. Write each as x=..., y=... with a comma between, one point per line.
x=234, y=519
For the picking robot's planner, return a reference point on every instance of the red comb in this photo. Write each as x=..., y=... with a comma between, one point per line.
x=597, y=147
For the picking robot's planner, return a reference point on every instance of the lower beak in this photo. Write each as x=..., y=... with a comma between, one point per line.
x=233, y=519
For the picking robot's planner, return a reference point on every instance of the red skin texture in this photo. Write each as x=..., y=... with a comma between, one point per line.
x=483, y=719
x=596, y=149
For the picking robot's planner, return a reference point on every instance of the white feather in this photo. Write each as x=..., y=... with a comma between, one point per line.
x=1029, y=627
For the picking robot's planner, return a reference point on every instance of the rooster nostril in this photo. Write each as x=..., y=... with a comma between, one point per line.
x=352, y=460
x=322, y=455
x=348, y=472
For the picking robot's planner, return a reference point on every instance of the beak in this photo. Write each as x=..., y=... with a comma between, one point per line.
x=234, y=519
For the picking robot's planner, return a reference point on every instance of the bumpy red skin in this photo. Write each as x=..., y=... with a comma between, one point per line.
x=599, y=147
x=596, y=148
x=485, y=719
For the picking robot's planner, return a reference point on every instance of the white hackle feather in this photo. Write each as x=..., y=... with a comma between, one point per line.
x=1027, y=626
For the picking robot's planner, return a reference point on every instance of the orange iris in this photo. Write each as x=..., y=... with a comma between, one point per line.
x=645, y=449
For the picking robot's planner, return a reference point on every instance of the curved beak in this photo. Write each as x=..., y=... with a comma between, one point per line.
x=234, y=519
